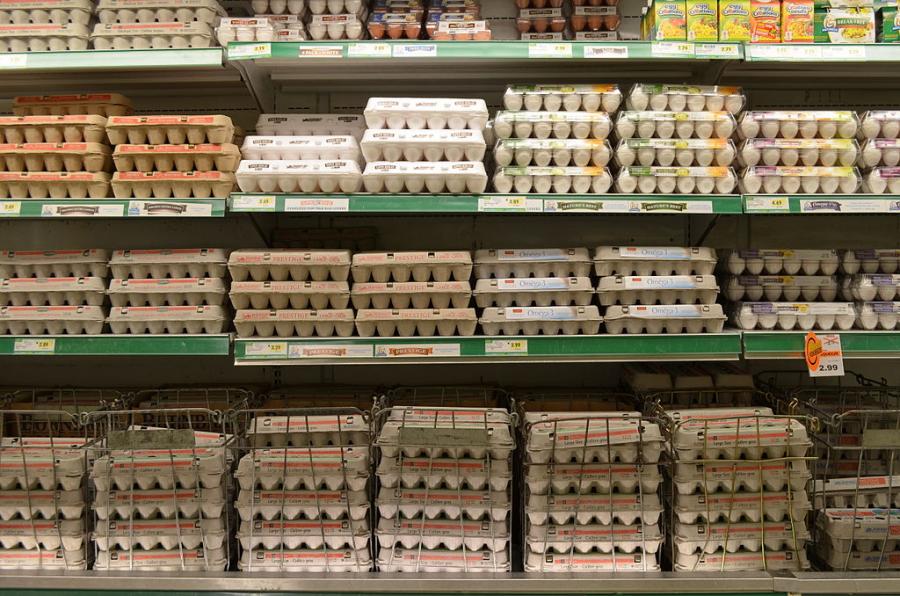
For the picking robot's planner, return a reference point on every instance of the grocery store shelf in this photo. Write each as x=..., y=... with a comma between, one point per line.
x=822, y=52
x=883, y=582
x=760, y=345
x=825, y=204
x=104, y=208
x=488, y=349
x=114, y=345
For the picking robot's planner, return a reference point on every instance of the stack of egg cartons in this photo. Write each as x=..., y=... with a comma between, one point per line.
x=767, y=301
x=656, y=289
x=880, y=152
x=180, y=157
x=336, y=19
x=871, y=279
x=552, y=139
x=535, y=291
x=309, y=153
x=739, y=498
x=423, y=293
x=719, y=384
x=41, y=26
x=304, y=502
x=424, y=145
x=592, y=500
x=799, y=152
x=160, y=507
x=168, y=291
x=444, y=496
x=682, y=144
x=56, y=146
x=157, y=24
x=52, y=292
x=291, y=292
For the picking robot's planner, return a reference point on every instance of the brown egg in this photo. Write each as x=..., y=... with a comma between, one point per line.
x=523, y=25
x=395, y=31
x=612, y=2
x=556, y=3
x=611, y=22
x=483, y=36
x=594, y=22
x=578, y=22
x=538, y=3
x=540, y=25
x=412, y=31
x=558, y=25
x=376, y=30
x=521, y=3
x=464, y=36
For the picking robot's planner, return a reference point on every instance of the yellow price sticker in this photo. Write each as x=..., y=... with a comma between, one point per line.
x=10, y=207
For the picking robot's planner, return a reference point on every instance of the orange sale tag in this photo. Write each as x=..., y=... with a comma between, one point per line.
x=823, y=354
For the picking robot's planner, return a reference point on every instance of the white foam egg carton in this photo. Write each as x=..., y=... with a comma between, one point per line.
x=168, y=263
x=457, y=433
x=532, y=262
x=167, y=535
x=585, y=477
x=589, y=562
x=313, y=534
x=423, y=322
x=423, y=145
x=787, y=261
x=419, y=266
x=561, y=180
x=440, y=560
x=868, y=287
x=561, y=153
x=53, y=263
x=20, y=558
x=878, y=491
x=675, y=318
x=179, y=185
x=672, y=152
x=571, y=98
x=51, y=291
x=690, y=478
x=426, y=113
x=537, y=291
x=587, y=538
x=452, y=534
x=261, y=28
x=781, y=287
x=306, y=559
x=711, y=433
x=307, y=148
x=300, y=430
x=162, y=468
x=864, y=528
x=879, y=124
x=859, y=561
x=158, y=11
x=50, y=534
x=692, y=98
x=186, y=291
x=55, y=157
x=444, y=472
x=712, y=538
x=668, y=125
x=136, y=320
x=58, y=12
x=174, y=130
x=799, y=179
x=786, y=560
x=291, y=263
x=314, y=175
x=547, y=320
x=55, y=185
x=877, y=315
x=882, y=179
x=593, y=439
x=44, y=37
x=412, y=294
x=753, y=506
x=309, y=468
x=294, y=7
x=160, y=559
x=653, y=289
x=80, y=128
x=824, y=316
x=294, y=323
x=604, y=509
x=556, y=125
x=52, y=320
x=870, y=261
x=280, y=295
x=31, y=504
x=308, y=504
x=102, y=104
x=790, y=124
x=181, y=158
x=654, y=260
x=425, y=176
x=139, y=36
x=653, y=179
x=311, y=124
x=206, y=503
x=337, y=26
x=41, y=467
x=798, y=152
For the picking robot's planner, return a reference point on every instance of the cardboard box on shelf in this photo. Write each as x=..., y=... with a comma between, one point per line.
x=702, y=20
x=797, y=18
x=734, y=20
x=765, y=21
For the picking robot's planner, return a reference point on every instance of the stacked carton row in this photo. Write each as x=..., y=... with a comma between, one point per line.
x=690, y=385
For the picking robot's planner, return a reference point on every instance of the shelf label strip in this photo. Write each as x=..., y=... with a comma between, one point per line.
x=168, y=209
x=549, y=50
x=849, y=206
x=250, y=51
x=415, y=50
x=27, y=345
x=263, y=203
x=606, y=52
x=510, y=204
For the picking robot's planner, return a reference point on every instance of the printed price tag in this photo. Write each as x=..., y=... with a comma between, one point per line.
x=324, y=350
x=520, y=204
x=671, y=48
x=250, y=51
x=716, y=50
x=34, y=346
x=321, y=52
x=263, y=203
x=844, y=52
x=606, y=52
x=549, y=50
x=264, y=349
x=768, y=204
x=506, y=346
x=369, y=50
x=416, y=350
x=14, y=61
x=320, y=205
x=8, y=208
x=415, y=50
x=823, y=355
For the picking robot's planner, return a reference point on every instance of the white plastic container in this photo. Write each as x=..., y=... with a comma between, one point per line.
x=669, y=180
x=870, y=261
x=562, y=153
x=879, y=124
x=680, y=318
x=794, y=124
x=336, y=26
x=877, y=315
x=556, y=125
x=799, y=180
x=869, y=287
x=425, y=177
x=800, y=152
x=426, y=113
x=823, y=316
x=882, y=179
x=675, y=152
x=680, y=125
x=556, y=180
x=693, y=98
x=306, y=176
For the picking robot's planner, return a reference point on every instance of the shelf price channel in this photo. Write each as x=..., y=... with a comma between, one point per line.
x=115, y=345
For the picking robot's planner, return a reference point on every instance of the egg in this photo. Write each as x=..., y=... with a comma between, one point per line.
x=771, y=184
x=733, y=103
x=704, y=158
x=828, y=157
x=809, y=184
x=523, y=156
x=646, y=156
x=562, y=184
x=665, y=156
x=581, y=158
x=600, y=155
x=666, y=184
x=790, y=157
x=827, y=130
x=685, y=129
x=696, y=103
x=522, y=184
x=771, y=156
x=871, y=128
x=543, y=130
x=705, y=184
x=685, y=185
x=610, y=102
x=751, y=183
x=502, y=182
x=625, y=155
x=504, y=129
x=591, y=102
x=552, y=102
x=685, y=157
x=542, y=156
x=658, y=102
x=750, y=155
x=750, y=128
x=828, y=184
x=894, y=185
x=847, y=130
x=725, y=184
x=809, y=156
x=513, y=101
x=395, y=184
x=600, y=129
x=600, y=184
x=542, y=184
x=849, y=183
x=646, y=129
x=638, y=99
x=503, y=155
x=578, y=130
x=665, y=129
x=790, y=184
x=871, y=155
x=646, y=184
x=545, y=156
x=890, y=129
x=571, y=102
x=625, y=128
x=416, y=184
x=677, y=102
x=769, y=129
x=581, y=184
x=790, y=128
x=725, y=155
x=847, y=157
x=724, y=128
x=626, y=183
x=533, y=102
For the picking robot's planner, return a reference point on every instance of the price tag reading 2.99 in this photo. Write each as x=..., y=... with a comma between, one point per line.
x=823, y=354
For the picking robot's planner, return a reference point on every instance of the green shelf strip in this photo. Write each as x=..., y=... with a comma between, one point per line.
x=115, y=345
x=789, y=344
x=822, y=204
x=187, y=58
x=103, y=208
x=822, y=52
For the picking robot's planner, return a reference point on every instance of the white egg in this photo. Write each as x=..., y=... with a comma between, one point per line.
x=625, y=128
x=543, y=156
x=666, y=184
x=562, y=184
x=600, y=155
x=705, y=185
x=665, y=129
x=847, y=130
x=828, y=184
x=543, y=130
x=433, y=154
x=790, y=128
x=600, y=184
x=828, y=157
x=725, y=184
x=677, y=102
x=848, y=157
x=771, y=156
x=790, y=184
x=685, y=129
x=591, y=102
x=398, y=121
x=646, y=184
x=579, y=184
x=696, y=103
x=725, y=155
x=610, y=102
x=724, y=128
x=600, y=129
x=665, y=156
x=584, y=157
x=439, y=122
x=890, y=129
x=810, y=184
x=394, y=183
x=552, y=102
x=894, y=185
x=625, y=155
x=771, y=184
x=581, y=130
x=513, y=101
x=533, y=102
x=685, y=157
x=416, y=184
x=524, y=130
x=751, y=183
x=849, y=183
x=646, y=129
x=890, y=156
x=659, y=101
x=503, y=155
x=750, y=155
x=523, y=156
x=542, y=184
x=871, y=155
x=685, y=185
x=704, y=157
x=626, y=183
x=638, y=100
x=769, y=129
x=564, y=129
x=646, y=156
x=871, y=128
x=809, y=156
x=502, y=182
x=522, y=184
x=749, y=127
x=571, y=102
x=733, y=103
x=827, y=130
x=789, y=157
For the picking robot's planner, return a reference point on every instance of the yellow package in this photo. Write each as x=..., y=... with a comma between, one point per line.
x=765, y=21
x=668, y=21
x=797, y=18
x=734, y=20
x=702, y=21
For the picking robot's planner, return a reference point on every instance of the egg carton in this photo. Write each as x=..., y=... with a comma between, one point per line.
x=412, y=294
x=800, y=179
x=185, y=291
x=425, y=176
x=709, y=477
x=336, y=26
x=678, y=98
x=308, y=469
x=444, y=472
x=294, y=7
x=571, y=98
x=457, y=433
x=589, y=562
x=280, y=295
x=417, y=560
x=418, y=266
x=870, y=261
x=739, y=436
x=868, y=287
x=653, y=289
x=752, y=506
x=262, y=28
x=294, y=323
x=180, y=158
x=162, y=468
x=422, y=322
x=556, y=125
x=294, y=264
x=296, y=148
x=81, y=128
x=168, y=263
x=302, y=429
x=680, y=318
x=550, y=320
x=799, y=152
x=539, y=291
x=858, y=561
x=55, y=185
x=43, y=37
x=59, y=12
x=311, y=124
x=604, y=509
x=823, y=316
x=593, y=538
x=877, y=315
x=786, y=560
x=42, y=505
x=102, y=104
x=307, y=560
x=562, y=153
x=863, y=491
x=307, y=504
x=51, y=320
x=882, y=180
x=451, y=534
x=646, y=180
x=541, y=21
x=175, y=130
x=858, y=529
x=52, y=291
x=681, y=125
x=55, y=157
x=20, y=558
x=809, y=125
x=671, y=152
x=605, y=442
x=136, y=320
x=299, y=176
x=205, y=503
x=423, y=145
x=654, y=260
x=545, y=180
x=783, y=261
x=884, y=124
x=165, y=185
x=53, y=263
x=395, y=25
x=730, y=537
x=140, y=36
x=163, y=534
x=781, y=287
x=67, y=535
x=528, y=262
x=587, y=477
x=41, y=467
x=158, y=559
x=312, y=534
x=426, y=113
x=158, y=11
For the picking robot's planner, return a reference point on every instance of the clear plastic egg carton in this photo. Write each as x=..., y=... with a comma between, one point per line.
x=412, y=294
x=52, y=291
x=135, y=320
x=261, y=28
x=869, y=287
x=19, y=558
x=127, y=12
x=423, y=145
x=537, y=291
x=875, y=124
x=877, y=315
x=426, y=113
x=561, y=153
x=592, y=438
x=52, y=320
x=787, y=316
x=180, y=158
x=294, y=323
x=42, y=12
x=799, y=152
x=799, y=179
x=570, y=98
x=185, y=291
x=303, y=534
x=157, y=36
x=299, y=175
x=158, y=559
x=587, y=538
x=53, y=263
x=419, y=266
x=299, y=295
x=790, y=124
x=452, y=534
x=785, y=560
x=439, y=560
x=311, y=124
x=42, y=505
x=290, y=263
x=603, y=509
x=55, y=185
x=555, y=125
x=714, y=538
x=657, y=289
x=422, y=322
x=168, y=263
x=690, y=478
x=776, y=261
x=307, y=148
x=302, y=504
x=548, y=320
x=337, y=26
x=174, y=130
x=681, y=152
x=557, y=180
x=681, y=125
x=691, y=98
x=411, y=431
x=277, y=7
x=658, y=179
x=167, y=535
x=43, y=38
x=588, y=562
x=41, y=467
x=320, y=430
x=78, y=128
x=781, y=287
x=586, y=477
x=101, y=104
x=444, y=472
x=872, y=260
x=754, y=506
x=425, y=176
x=882, y=180
x=55, y=157
x=451, y=504
x=676, y=318
x=306, y=560
x=166, y=185
x=654, y=260
x=532, y=262
x=312, y=468
x=48, y=534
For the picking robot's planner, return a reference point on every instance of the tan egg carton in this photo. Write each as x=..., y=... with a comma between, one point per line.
x=101, y=104
x=562, y=153
x=411, y=294
x=309, y=468
x=654, y=260
x=77, y=128
x=571, y=98
x=657, y=289
x=41, y=467
x=314, y=534
x=306, y=559
x=311, y=124
x=809, y=125
x=294, y=148
x=547, y=320
x=537, y=291
x=294, y=264
x=419, y=266
x=589, y=562
x=714, y=538
x=158, y=11
x=51, y=320
x=166, y=319
x=680, y=125
x=410, y=503
x=204, y=503
x=452, y=534
x=422, y=322
x=302, y=504
x=43, y=37
x=20, y=558
x=175, y=130
x=603, y=509
x=751, y=506
x=54, y=185
x=555, y=125
x=585, y=477
x=685, y=181
x=166, y=185
x=294, y=323
x=299, y=295
x=690, y=478
x=159, y=468
x=528, y=179
x=179, y=158
x=425, y=176
x=674, y=318
x=148, y=534
x=168, y=263
x=675, y=152
x=785, y=560
x=308, y=176
x=781, y=287
x=586, y=538
x=54, y=263
x=186, y=291
x=156, y=35
x=589, y=437
x=693, y=98
x=159, y=559
x=34, y=504
x=443, y=472
x=531, y=262
x=423, y=145
x=56, y=157
x=50, y=534
x=58, y=12
x=52, y=291
x=441, y=560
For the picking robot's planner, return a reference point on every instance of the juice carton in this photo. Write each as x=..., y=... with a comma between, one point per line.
x=765, y=21
x=702, y=21
x=734, y=20
x=797, y=18
x=845, y=25
x=668, y=22
x=890, y=25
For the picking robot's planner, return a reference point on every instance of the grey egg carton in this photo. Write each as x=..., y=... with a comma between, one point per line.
x=294, y=323
x=294, y=264
x=200, y=467
x=19, y=558
x=56, y=157
x=587, y=538
x=185, y=291
x=173, y=130
x=52, y=291
x=679, y=318
x=781, y=287
x=309, y=430
x=411, y=294
x=560, y=153
x=148, y=534
x=44, y=37
x=715, y=433
x=54, y=185
x=870, y=261
x=166, y=319
x=877, y=315
x=76, y=128
x=163, y=263
x=138, y=36
x=313, y=534
x=179, y=158
x=420, y=266
x=37, y=12
x=417, y=560
x=31, y=504
x=782, y=261
x=158, y=11
x=550, y=320
x=675, y=152
x=599, y=508
x=162, y=560
x=304, y=469
x=43, y=534
x=753, y=506
x=39, y=467
x=787, y=316
x=654, y=260
x=784, y=560
x=714, y=538
x=590, y=562
x=430, y=534
x=491, y=434
x=310, y=124
x=166, y=185
x=586, y=477
x=863, y=492
x=444, y=472
x=690, y=478
x=537, y=262
x=52, y=320
x=423, y=322
x=591, y=437
x=657, y=289
x=308, y=560
x=537, y=291
x=203, y=503
x=305, y=504
x=869, y=287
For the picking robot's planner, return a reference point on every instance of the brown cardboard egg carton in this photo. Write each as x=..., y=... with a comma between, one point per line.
x=55, y=157
x=76, y=128
x=181, y=158
x=169, y=534
x=54, y=185
x=166, y=319
x=52, y=291
x=174, y=130
x=313, y=534
x=101, y=104
x=382, y=267
x=51, y=320
x=423, y=322
x=546, y=320
x=294, y=323
x=165, y=185
x=412, y=294
x=309, y=560
x=294, y=264
x=54, y=263
x=42, y=534
x=165, y=262
x=537, y=262
x=300, y=295
x=186, y=291
x=537, y=291
x=159, y=559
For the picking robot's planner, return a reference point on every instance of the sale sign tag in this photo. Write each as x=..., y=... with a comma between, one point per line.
x=823, y=355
